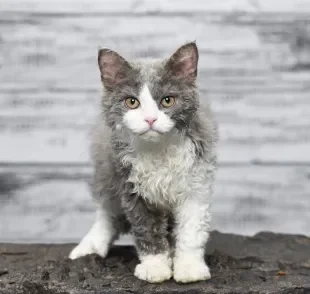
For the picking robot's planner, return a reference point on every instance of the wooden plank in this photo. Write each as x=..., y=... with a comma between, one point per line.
x=247, y=199
x=256, y=127
x=153, y=6
x=50, y=88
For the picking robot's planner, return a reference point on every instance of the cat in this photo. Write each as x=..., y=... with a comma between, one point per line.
x=154, y=155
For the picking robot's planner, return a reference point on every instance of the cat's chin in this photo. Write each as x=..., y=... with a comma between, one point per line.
x=151, y=135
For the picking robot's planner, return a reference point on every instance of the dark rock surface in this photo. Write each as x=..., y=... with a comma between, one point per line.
x=264, y=263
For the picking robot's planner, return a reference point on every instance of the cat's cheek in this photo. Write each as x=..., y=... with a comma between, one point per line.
x=164, y=123
x=134, y=121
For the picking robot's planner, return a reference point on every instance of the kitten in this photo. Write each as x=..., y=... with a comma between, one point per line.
x=154, y=160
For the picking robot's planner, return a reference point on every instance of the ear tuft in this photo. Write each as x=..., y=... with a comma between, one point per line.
x=113, y=68
x=183, y=63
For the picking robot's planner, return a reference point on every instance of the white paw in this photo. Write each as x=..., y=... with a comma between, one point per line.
x=90, y=246
x=84, y=248
x=94, y=242
x=154, y=269
x=187, y=270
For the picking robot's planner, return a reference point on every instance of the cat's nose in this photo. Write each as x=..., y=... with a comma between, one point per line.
x=150, y=120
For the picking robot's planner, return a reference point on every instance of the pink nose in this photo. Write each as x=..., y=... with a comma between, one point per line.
x=150, y=121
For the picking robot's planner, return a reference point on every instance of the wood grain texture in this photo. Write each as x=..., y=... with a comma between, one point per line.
x=154, y=6
x=53, y=203
x=50, y=88
x=254, y=68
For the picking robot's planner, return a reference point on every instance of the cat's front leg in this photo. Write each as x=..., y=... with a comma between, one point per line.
x=192, y=231
x=149, y=229
x=100, y=236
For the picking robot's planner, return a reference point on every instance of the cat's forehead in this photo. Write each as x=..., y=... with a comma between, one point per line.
x=150, y=69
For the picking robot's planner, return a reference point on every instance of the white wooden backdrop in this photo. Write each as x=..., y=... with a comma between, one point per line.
x=254, y=67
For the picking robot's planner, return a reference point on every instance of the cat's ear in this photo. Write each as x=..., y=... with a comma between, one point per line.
x=183, y=63
x=113, y=68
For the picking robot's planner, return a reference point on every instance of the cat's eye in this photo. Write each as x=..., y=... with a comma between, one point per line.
x=167, y=101
x=132, y=103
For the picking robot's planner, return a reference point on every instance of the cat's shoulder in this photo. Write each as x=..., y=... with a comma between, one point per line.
x=100, y=140
x=203, y=132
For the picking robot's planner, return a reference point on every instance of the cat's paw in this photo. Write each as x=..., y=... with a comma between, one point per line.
x=84, y=248
x=154, y=270
x=188, y=269
x=90, y=244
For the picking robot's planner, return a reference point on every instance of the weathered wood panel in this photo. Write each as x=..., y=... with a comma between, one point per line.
x=254, y=67
x=154, y=6
x=52, y=203
x=50, y=84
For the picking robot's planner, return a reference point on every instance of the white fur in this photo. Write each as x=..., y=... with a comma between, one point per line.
x=189, y=268
x=193, y=219
x=154, y=268
x=163, y=173
x=97, y=240
x=134, y=119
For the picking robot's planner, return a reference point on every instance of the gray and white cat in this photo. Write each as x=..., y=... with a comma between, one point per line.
x=154, y=159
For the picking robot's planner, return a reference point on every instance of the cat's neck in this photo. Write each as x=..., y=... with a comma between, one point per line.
x=162, y=143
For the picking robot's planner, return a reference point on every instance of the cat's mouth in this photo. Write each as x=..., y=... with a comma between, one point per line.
x=151, y=132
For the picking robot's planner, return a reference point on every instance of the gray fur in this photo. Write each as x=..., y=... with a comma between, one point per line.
x=112, y=141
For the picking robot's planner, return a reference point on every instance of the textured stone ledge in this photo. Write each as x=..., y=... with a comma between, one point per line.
x=264, y=263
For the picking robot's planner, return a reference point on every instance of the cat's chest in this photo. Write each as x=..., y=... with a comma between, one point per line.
x=163, y=177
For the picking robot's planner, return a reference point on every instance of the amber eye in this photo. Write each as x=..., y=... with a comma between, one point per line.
x=167, y=101
x=132, y=103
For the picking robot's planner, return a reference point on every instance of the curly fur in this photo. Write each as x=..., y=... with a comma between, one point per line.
x=148, y=177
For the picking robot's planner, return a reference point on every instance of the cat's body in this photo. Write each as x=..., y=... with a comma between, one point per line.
x=154, y=157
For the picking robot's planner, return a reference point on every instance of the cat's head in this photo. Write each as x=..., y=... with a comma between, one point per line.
x=150, y=98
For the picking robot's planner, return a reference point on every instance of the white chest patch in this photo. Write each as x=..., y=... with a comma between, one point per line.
x=163, y=177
